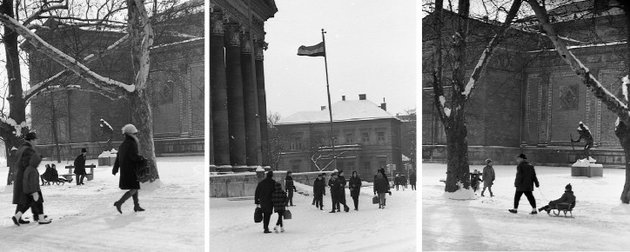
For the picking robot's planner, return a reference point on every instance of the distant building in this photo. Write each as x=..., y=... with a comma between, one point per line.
x=367, y=138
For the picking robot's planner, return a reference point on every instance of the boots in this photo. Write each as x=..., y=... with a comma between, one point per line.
x=122, y=200
x=136, y=203
x=43, y=219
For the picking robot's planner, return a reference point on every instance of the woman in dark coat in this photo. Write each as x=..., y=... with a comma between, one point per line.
x=79, y=167
x=128, y=160
x=355, y=189
x=22, y=159
x=381, y=187
x=567, y=197
x=279, y=199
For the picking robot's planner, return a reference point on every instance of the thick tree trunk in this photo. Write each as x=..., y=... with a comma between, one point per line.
x=457, y=168
x=623, y=133
x=142, y=118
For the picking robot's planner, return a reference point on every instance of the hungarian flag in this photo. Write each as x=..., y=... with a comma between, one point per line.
x=312, y=51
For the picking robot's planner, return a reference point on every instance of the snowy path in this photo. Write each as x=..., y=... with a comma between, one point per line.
x=601, y=221
x=85, y=219
x=232, y=226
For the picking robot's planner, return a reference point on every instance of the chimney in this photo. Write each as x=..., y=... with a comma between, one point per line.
x=362, y=97
x=384, y=105
x=322, y=108
x=343, y=97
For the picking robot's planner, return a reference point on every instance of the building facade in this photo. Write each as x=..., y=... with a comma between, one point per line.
x=366, y=137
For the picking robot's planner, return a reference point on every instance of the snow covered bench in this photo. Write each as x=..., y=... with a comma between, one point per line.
x=88, y=175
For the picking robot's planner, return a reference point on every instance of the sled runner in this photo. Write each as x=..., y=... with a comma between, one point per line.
x=563, y=208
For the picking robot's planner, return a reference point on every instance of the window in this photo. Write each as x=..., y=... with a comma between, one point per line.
x=365, y=137
x=380, y=137
x=349, y=138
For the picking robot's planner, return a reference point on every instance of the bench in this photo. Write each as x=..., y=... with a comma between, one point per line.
x=88, y=175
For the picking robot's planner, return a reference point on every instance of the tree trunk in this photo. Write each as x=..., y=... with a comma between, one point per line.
x=457, y=168
x=623, y=133
x=53, y=125
x=142, y=118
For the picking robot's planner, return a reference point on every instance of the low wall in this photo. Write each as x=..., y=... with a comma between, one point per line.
x=244, y=183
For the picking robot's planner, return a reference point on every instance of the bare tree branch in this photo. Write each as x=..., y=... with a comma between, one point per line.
x=43, y=10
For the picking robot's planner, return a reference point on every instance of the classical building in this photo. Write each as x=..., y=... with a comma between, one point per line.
x=528, y=99
x=238, y=124
x=68, y=114
x=367, y=138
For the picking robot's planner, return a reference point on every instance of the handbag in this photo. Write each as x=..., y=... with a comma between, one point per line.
x=287, y=214
x=375, y=200
x=258, y=215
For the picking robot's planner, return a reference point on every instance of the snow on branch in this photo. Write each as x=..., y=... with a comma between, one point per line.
x=64, y=59
x=12, y=123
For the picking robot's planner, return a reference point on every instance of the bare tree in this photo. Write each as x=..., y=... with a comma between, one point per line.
x=275, y=140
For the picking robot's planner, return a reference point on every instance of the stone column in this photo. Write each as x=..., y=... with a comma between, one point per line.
x=252, y=123
x=262, y=102
x=220, y=135
x=236, y=113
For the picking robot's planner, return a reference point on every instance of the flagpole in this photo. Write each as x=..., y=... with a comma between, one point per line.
x=332, y=136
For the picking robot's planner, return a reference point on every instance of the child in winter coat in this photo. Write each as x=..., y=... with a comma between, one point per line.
x=567, y=197
x=319, y=190
x=488, y=177
x=474, y=180
x=32, y=191
x=279, y=200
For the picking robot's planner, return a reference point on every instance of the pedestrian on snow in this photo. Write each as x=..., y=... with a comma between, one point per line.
x=25, y=194
x=279, y=200
x=567, y=197
x=381, y=187
x=474, y=180
x=403, y=181
x=412, y=180
x=524, y=183
x=397, y=181
x=342, y=193
x=319, y=189
x=11, y=159
x=262, y=198
x=288, y=183
x=128, y=160
x=79, y=166
x=488, y=177
x=355, y=189
x=335, y=187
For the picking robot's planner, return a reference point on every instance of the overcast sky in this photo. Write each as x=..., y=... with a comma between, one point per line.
x=371, y=48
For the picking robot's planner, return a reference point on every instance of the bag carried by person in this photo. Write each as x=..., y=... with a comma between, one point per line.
x=143, y=171
x=375, y=200
x=287, y=214
x=258, y=215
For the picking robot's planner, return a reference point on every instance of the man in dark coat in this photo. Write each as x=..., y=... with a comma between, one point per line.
x=319, y=189
x=23, y=157
x=412, y=180
x=288, y=184
x=341, y=198
x=524, y=183
x=335, y=187
x=79, y=166
x=128, y=160
x=355, y=188
x=263, y=198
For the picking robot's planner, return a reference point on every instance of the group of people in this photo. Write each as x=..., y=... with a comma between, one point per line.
x=26, y=188
x=270, y=197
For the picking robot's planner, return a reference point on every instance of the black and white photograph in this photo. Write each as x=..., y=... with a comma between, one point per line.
x=313, y=125
x=525, y=125
x=102, y=125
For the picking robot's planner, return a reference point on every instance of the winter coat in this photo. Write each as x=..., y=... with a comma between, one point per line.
x=381, y=185
x=342, y=185
x=50, y=174
x=525, y=177
x=128, y=161
x=319, y=187
x=79, y=165
x=31, y=178
x=288, y=183
x=278, y=198
x=335, y=187
x=488, y=176
x=24, y=157
x=355, y=186
x=567, y=197
x=263, y=195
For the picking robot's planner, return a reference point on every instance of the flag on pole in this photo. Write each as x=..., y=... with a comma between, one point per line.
x=312, y=51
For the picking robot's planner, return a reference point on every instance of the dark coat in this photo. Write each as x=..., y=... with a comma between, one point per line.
x=525, y=177
x=31, y=178
x=288, y=183
x=567, y=197
x=381, y=185
x=128, y=161
x=355, y=186
x=263, y=194
x=79, y=165
x=24, y=157
x=488, y=176
x=335, y=187
x=278, y=198
x=412, y=178
x=319, y=187
x=50, y=174
x=342, y=185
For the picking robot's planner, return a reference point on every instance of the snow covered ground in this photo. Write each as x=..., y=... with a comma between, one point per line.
x=601, y=221
x=84, y=218
x=232, y=226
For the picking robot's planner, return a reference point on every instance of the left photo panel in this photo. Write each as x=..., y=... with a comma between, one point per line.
x=102, y=125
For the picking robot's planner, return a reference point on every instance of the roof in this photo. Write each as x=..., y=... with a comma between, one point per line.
x=343, y=111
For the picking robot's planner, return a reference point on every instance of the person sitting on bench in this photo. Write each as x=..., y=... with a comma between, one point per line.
x=51, y=174
x=567, y=198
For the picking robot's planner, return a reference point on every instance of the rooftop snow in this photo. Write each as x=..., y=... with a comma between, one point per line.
x=354, y=110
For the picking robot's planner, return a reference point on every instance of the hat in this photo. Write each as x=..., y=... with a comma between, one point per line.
x=568, y=187
x=30, y=136
x=488, y=160
x=83, y=150
x=522, y=156
x=13, y=148
x=129, y=129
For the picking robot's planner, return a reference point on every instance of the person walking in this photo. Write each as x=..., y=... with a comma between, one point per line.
x=524, y=183
x=335, y=187
x=412, y=180
x=25, y=156
x=381, y=187
x=79, y=166
x=474, y=180
x=397, y=181
x=279, y=200
x=488, y=177
x=263, y=198
x=355, y=189
x=319, y=190
x=342, y=192
x=128, y=160
x=288, y=184
x=32, y=191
